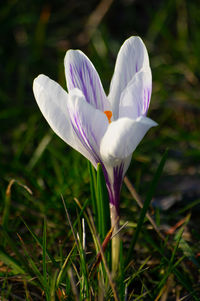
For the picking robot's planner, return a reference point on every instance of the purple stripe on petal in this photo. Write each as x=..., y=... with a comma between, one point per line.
x=84, y=132
x=83, y=87
x=146, y=100
x=72, y=85
x=115, y=188
x=81, y=74
x=81, y=77
x=83, y=136
x=91, y=80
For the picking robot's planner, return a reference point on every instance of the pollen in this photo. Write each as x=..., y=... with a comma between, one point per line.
x=108, y=115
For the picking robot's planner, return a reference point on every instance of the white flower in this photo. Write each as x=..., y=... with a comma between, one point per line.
x=104, y=129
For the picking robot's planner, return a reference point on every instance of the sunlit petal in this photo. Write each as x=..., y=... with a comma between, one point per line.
x=89, y=124
x=135, y=98
x=122, y=138
x=80, y=73
x=131, y=58
x=53, y=101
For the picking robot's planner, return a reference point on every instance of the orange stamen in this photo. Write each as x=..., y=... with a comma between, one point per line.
x=108, y=115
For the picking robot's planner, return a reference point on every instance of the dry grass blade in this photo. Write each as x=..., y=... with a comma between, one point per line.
x=67, y=214
x=64, y=265
x=104, y=245
x=140, y=204
x=93, y=21
x=112, y=284
x=73, y=284
x=8, y=190
x=7, y=202
x=120, y=229
x=177, y=225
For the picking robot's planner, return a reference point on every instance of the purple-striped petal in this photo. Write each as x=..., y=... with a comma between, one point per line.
x=115, y=183
x=116, y=148
x=80, y=73
x=131, y=58
x=89, y=124
x=53, y=102
x=135, y=98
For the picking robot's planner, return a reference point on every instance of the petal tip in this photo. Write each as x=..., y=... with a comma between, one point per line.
x=39, y=79
x=147, y=121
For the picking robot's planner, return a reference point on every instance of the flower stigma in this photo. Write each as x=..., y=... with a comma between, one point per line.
x=108, y=115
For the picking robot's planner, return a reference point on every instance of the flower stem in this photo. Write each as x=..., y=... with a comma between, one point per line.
x=115, y=240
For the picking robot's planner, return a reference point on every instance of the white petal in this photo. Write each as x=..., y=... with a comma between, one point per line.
x=131, y=58
x=53, y=101
x=89, y=125
x=122, y=138
x=80, y=73
x=135, y=98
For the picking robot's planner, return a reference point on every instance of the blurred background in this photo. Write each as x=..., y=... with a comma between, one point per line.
x=34, y=37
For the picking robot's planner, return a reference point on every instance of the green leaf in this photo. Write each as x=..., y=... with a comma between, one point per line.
x=147, y=201
x=180, y=275
x=11, y=262
x=93, y=189
x=103, y=209
x=44, y=246
x=15, y=248
x=40, y=244
x=63, y=267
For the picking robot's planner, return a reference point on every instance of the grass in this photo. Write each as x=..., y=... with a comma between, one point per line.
x=42, y=257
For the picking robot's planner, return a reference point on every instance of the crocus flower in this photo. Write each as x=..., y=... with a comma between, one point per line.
x=104, y=129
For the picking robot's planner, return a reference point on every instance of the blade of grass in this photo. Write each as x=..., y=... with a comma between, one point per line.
x=73, y=284
x=6, y=211
x=112, y=284
x=104, y=246
x=170, y=265
x=68, y=218
x=78, y=217
x=40, y=244
x=7, y=203
x=180, y=275
x=102, y=204
x=42, y=282
x=40, y=150
x=189, y=206
x=93, y=189
x=15, y=248
x=94, y=237
x=140, y=204
x=12, y=263
x=64, y=266
x=53, y=286
x=44, y=246
x=188, y=252
x=84, y=285
x=84, y=289
x=89, y=224
x=148, y=199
